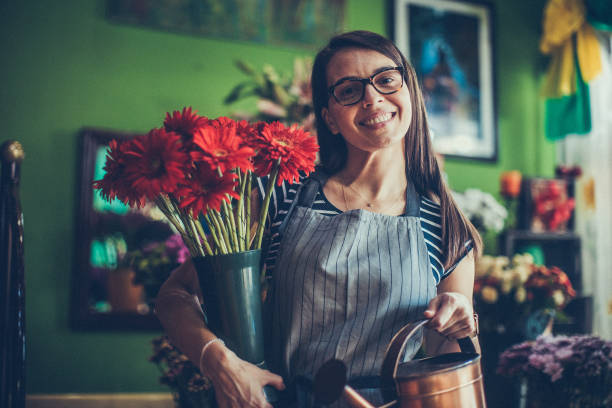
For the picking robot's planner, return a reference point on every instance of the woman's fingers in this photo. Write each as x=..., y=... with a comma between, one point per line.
x=275, y=380
x=451, y=315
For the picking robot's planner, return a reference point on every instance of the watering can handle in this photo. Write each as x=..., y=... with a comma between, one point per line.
x=397, y=346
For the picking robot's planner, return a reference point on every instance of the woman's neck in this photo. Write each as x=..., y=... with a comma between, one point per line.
x=377, y=175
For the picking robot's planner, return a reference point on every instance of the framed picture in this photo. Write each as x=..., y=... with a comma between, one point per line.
x=449, y=43
x=300, y=22
x=122, y=254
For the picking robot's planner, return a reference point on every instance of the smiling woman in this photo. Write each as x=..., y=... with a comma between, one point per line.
x=370, y=241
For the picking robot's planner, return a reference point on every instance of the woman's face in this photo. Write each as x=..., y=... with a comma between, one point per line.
x=377, y=121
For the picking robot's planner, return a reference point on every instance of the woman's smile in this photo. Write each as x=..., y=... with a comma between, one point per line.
x=377, y=120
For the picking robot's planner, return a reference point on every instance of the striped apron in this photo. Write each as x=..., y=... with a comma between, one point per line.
x=343, y=285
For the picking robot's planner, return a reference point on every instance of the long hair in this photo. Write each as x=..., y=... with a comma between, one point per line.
x=421, y=164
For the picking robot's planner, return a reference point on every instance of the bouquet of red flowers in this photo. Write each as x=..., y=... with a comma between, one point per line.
x=199, y=172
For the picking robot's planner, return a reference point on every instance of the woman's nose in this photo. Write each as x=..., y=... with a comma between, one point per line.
x=371, y=95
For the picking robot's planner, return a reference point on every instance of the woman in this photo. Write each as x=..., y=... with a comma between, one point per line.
x=360, y=248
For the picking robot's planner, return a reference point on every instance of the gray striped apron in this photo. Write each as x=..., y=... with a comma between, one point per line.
x=344, y=284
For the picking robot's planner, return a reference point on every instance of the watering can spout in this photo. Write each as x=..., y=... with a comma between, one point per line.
x=330, y=385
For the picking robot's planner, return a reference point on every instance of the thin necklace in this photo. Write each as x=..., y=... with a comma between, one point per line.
x=368, y=204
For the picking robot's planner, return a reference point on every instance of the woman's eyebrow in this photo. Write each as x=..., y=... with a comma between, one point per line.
x=349, y=78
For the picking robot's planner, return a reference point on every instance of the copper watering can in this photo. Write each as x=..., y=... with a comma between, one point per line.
x=448, y=380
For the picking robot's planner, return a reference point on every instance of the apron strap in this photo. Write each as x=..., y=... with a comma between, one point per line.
x=307, y=192
x=413, y=200
x=305, y=195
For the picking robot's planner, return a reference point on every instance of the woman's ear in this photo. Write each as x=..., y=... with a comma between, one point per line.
x=329, y=121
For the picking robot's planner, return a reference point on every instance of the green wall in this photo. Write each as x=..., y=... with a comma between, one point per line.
x=66, y=67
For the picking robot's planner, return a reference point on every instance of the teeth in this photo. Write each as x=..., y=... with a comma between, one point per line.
x=377, y=119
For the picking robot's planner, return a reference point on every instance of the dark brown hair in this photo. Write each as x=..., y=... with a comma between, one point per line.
x=421, y=164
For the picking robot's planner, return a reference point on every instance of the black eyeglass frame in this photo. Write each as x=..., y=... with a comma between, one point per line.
x=366, y=81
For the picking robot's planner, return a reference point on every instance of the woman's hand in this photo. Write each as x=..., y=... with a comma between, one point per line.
x=451, y=315
x=237, y=383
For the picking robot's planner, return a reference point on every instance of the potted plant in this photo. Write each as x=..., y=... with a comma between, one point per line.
x=562, y=371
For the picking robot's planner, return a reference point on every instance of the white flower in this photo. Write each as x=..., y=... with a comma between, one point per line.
x=482, y=209
x=520, y=295
x=558, y=297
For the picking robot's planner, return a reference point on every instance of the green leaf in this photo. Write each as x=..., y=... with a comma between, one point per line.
x=245, y=67
x=235, y=94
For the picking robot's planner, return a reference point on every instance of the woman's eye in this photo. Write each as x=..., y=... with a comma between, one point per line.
x=386, y=80
x=347, y=91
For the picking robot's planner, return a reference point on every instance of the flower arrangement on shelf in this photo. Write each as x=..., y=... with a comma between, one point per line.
x=199, y=172
x=481, y=209
x=153, y=263
x=552, y=209
x=562, y=371
x=286, y=99
x=507, y=292
x=189, y=388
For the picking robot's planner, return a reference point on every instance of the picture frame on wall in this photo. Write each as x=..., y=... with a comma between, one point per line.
x=450, y=45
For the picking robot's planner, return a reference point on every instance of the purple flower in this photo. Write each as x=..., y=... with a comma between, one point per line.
x=176, y=249
x=577, y=358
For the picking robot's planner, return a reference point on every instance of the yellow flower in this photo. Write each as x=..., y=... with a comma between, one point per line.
x=506, y=284
x=522, y=259
x=558, y=297
x=502, y=262
x=521, y=274
x=520, y=295
x=489, y=294
x=483, y=265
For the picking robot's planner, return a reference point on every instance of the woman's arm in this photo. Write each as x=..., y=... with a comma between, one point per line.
x=451, y=311
x=237, y=383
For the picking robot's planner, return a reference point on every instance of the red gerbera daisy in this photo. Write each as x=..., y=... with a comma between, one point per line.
x=221, y=148
x=156, y=163
x=115, y=183
x=293, y=148
x=206, y=189
x=184, y=123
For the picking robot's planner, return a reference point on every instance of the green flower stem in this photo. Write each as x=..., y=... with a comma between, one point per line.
x=223, y=230
x=266, y=203
x=241, y=212
x=187, y=220
x=165, y=205
x=213, y=232
x=229, y=216
x=247, y=218
x=195, y=236
x=198, y=225
x=212, y=220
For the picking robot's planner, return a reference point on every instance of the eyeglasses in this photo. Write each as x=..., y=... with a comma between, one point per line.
x=350, y=91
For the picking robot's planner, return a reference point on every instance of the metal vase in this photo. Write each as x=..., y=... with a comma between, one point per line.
x=231, y=291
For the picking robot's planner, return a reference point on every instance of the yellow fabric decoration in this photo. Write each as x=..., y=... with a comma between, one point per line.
x=587, y=48
x=563, y=19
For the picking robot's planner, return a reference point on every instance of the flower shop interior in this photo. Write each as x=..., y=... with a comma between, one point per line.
x=535, y=177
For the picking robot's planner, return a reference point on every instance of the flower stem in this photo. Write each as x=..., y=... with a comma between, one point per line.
x=213, y=232
x=198, y=225
x=264, y=208
x=165, y=205
x=223, y=230
x=229, y=217
x=247, y=218
x=242, y=232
